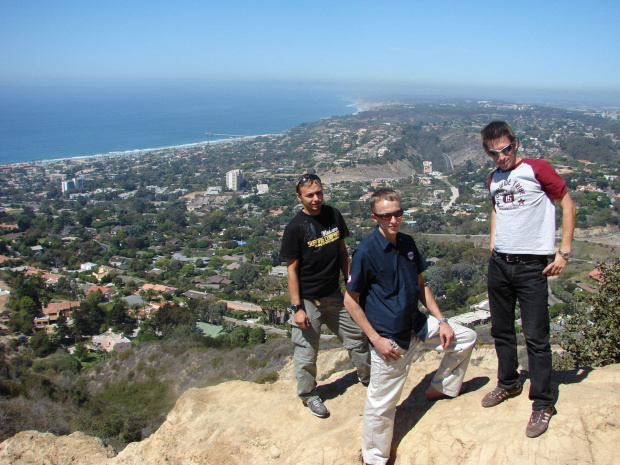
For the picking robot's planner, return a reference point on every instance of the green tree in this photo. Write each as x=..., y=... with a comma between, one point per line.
x=168, y=317
x=592, y=335
x=119, y=319
x=244, y=275
x=81, y=351
x=90, y=318
x=41, y=344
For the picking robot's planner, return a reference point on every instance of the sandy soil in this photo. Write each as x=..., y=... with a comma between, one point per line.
x=397, y=170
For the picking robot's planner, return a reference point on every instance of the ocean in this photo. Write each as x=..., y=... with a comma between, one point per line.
x=44, y=122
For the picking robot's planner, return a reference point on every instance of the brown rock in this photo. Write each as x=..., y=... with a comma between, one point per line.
x=244, y=423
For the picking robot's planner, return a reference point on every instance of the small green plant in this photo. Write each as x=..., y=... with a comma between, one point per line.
x=267, y=378
x=124, y=355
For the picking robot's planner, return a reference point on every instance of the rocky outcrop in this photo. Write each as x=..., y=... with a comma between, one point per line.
x=245, y=423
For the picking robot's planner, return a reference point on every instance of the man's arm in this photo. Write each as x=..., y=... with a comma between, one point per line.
x=292, y=266
x=382, y=344
x=493, y=220
x=343, y=259
x=446, y=334
x=568, y=227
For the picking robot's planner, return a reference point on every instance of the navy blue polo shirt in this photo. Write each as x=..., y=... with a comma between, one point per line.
x=386, y=277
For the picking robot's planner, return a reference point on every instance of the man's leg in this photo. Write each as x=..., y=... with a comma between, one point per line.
x=502, y=301
x=386, y=386
x=449, y=376
x=338, y=320
x=306, y=348
x=532, y=291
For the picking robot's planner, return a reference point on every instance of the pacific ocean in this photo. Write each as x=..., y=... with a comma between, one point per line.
x=43, y=122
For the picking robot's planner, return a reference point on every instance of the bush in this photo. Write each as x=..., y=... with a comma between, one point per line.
x=64, y=363
x=267, y=378
x=592, y=335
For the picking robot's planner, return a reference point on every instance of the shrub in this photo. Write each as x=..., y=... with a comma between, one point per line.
x=592, y=335
x=267, y=378
x=64, y=363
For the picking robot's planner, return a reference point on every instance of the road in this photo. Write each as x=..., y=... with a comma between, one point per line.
x=455, y=195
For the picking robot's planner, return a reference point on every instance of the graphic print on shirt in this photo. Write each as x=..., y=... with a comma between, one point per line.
x=509, y=195
x=314, y=241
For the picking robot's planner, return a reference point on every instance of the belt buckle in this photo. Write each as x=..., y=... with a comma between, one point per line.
x=511, y=258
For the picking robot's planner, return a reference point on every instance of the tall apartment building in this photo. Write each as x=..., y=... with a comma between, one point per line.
x=234, y=179
x=75, y=183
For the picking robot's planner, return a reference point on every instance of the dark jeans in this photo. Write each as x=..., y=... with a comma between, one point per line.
x=508, y=282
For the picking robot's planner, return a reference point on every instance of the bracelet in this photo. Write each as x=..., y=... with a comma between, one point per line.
x=443, y=320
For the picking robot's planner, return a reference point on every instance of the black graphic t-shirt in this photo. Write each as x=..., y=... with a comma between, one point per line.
x=314, y=240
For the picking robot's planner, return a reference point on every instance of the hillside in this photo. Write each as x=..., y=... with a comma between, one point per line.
x=240, y=422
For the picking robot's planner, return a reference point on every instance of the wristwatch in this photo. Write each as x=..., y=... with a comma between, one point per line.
x=564, y=255
x=294, y=308
x=443, y=320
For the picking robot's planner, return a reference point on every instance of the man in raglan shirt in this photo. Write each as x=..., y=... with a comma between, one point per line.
x=383, y=291
x=525, y=193
x=315, y=252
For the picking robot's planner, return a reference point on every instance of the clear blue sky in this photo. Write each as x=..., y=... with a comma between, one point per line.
x=531, y=44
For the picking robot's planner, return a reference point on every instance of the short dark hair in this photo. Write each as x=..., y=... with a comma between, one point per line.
x=497, y=130
x=383, y=194
x=304, y=178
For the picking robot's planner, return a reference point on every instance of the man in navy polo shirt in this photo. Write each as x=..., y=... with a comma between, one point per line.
x=383, y=290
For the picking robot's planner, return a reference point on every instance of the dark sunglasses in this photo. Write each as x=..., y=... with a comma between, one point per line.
x=496, y=153
x=388, y=216
x=308, y=177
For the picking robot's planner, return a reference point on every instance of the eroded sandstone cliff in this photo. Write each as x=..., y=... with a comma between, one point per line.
x=239, y=422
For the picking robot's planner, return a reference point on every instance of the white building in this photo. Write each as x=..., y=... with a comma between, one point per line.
x=234, y=179
x=75, y=183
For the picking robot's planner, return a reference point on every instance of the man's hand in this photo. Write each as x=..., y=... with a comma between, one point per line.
x=446, y=334
x=384, y=346
x=556, y=267
x=301, y=319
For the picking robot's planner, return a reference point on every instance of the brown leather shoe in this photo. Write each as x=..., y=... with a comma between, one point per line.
x=499, y=395
x=539, y=421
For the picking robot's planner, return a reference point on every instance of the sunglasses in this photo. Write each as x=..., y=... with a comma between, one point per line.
x=496, y=153
x=306, y=178
x=388, y=216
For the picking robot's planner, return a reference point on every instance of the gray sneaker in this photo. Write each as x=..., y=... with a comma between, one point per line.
x=317, y=408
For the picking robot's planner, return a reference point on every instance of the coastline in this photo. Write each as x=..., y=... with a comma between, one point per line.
x=139, y=152
x=358, y=105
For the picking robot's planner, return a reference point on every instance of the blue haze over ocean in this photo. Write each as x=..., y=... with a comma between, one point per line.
x=56, y=121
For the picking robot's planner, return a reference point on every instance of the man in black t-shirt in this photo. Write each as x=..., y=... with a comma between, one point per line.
x=315, y=252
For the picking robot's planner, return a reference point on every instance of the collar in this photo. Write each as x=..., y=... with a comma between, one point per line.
x=383, y=242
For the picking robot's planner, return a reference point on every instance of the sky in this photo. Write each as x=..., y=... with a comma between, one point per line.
x=548, y=44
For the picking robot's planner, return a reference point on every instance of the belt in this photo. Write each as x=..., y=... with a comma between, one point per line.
x=516, y=258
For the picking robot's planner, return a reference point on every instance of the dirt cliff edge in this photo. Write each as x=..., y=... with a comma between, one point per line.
x=245, y=423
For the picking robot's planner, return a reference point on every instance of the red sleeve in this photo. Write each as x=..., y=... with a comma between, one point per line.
x=550, y=181
x=489, y=180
